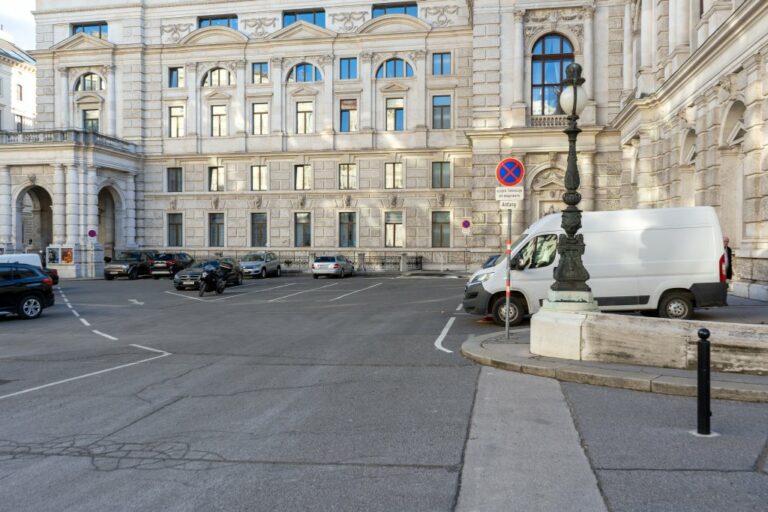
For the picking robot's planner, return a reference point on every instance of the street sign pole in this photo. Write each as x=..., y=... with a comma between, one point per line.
x=509, y=266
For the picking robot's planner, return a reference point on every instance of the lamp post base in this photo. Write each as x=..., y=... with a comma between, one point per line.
x=569, y=301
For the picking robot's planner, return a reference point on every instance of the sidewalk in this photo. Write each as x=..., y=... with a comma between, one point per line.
x=514, y=355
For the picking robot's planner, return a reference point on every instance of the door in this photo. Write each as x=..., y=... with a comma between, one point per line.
x=536, y=258
x=7, y=287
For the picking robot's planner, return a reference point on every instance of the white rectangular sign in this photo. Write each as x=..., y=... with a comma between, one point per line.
x=510, y=193
x=509, y=205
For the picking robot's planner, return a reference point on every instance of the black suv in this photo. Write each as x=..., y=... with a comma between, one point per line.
x=133, y=264
x=168, y=264
x=24, y=290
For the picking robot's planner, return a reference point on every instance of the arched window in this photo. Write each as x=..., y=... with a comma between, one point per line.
x=305, y=72
x=551, y=55
x=394, y=68
x=217, y=77
x=90, y=82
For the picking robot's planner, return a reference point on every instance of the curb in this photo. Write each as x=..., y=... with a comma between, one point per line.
x=516, y=358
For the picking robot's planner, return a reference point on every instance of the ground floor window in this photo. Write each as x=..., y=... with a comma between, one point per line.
x=303, y=229
x=347, y=228
x=441, y=229
x=394, y=231
x=216, y=230
x=175, y=230
x=258, y=229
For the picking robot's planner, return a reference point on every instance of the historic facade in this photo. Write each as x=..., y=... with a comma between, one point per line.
x=374, y=129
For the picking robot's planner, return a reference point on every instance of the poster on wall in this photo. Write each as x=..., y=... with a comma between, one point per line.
x=67, y=256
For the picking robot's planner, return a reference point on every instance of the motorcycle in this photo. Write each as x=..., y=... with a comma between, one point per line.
x=212, y=280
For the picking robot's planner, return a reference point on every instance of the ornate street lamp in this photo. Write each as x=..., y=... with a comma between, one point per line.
x=570, y=274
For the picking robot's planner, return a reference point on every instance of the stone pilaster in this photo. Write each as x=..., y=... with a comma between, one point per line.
x=6, y=227
x=278, y=90
x=73, y=206
x=59, y=204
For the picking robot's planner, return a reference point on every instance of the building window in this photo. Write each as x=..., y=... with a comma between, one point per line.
x=302, y=177
x=441, y=112
x=19, y=122
x=260, y=119
x=91, y=120
x=258, y=230
x=174, y=179
x=260, y=73
x=394, y=68
x=217, y=77
x=176, y=121
x=347, y=228
x=218, y=120
x=441, y=175
x=348, y=120
x=441, y=64
x=175, y=230
x=441, y=229
x=408, y=8
x=19, y=92
x=394, y=231
x=552, y=53
x=218, y=21
x=304, y=117
x=175, y=78
x=215, y=230
x=348, y=68
x=89, y=82
x=259, y=177
x=315, y=17
x=395, y=114
x=217, y=179
x=98, y=29
x=302, y=229
x=393, y=175
x=347, y=176
x=305, y=72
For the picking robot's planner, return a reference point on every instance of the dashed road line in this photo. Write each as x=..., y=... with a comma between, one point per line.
x=85, y=322
x=458, y=308
x=303, y=291
x=443, y=334
x=105, y=335
x=356, y=291
x=74, y=312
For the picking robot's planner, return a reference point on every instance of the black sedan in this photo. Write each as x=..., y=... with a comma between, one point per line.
x=190, y=277
x=168, y=264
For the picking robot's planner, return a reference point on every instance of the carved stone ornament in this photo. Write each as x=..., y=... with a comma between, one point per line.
x=259, y=27
x=257, y=202
x=393, y=199
x=173, y=204
x=441, y=200
x=349, y=21
x=276, y=61
x=216, y=203
x=552, y=158
x=324, y=60
x=440, y=14
x=539, y=21
x=548, y=177
x=302, y=203
x=417, y=55
x=366, y=57
x=174, y=33
x=32, y=178
x=347, y=201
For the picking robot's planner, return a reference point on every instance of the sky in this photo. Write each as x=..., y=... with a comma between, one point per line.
x=16, y=19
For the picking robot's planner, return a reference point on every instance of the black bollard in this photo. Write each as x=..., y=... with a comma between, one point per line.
x=704, y=411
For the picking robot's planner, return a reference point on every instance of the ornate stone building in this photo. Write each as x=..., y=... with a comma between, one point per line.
x=374, y=129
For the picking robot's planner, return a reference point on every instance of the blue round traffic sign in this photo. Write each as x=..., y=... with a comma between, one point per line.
x=510, y=172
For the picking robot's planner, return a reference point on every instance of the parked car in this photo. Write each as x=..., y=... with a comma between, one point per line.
x=190, y=276
x=132, y=264
x=336, y=266
x=31, y=259
x=260, y=264
x=168, y=264
x=24, y=290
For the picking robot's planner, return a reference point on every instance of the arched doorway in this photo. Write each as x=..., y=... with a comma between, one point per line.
x=108, y=215
x=34, y=219
x=731, y=173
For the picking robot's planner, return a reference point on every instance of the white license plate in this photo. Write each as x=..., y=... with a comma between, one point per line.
x=188, y=283
x=114, y=272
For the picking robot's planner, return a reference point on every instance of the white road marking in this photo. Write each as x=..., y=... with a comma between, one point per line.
x=439, y=340
x=151, y=349
x=85, y=322
x=69, y=305
x=134, y=301
x=303, y=291
x=185, y=296
x=458, y=308
x=104, y=334
x=74, y=312
x=356, y=291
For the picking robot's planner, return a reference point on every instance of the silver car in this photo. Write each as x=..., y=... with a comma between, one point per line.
x=337, y=266
x=260, y=264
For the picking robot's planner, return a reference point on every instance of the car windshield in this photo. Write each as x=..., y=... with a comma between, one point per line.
x=200, y=265
x=128, y=256
x=253, y=257
x=325, y=259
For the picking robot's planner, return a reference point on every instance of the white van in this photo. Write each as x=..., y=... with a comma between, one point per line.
x=27, y=259
x=662, y=261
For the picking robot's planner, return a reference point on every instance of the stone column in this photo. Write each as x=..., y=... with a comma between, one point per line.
x=63, y=106
x=238, y=110
x=629, y=60
x=278, y=107
x=419, y=117
x=508, y=73
x=6, y=208
x=366, y=103
x=129, y=211
x=589, y=68
x=672, y=10
x=92, y=211
x=683, y=32
x=326, y=110
x=82, y=217
x=111, y=100
x=59, y=204
x=587, y=171
x=644, y=174
x=73, y=206
x=645, y=82
x=192, y=104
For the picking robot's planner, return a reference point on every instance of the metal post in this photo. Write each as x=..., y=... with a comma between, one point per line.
x=466, y=250
x=703, y=409
x=509, y=267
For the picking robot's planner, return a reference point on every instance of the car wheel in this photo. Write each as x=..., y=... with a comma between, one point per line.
x=516, y=311
x=133, y=274
x=109, y=278
x=677, y=306
x=30, y=307
x=263, y=273
x=239, y=279
x=315, y=276
x=278, y=272
x=155, y=277
x=341, y=274
x=179, y=288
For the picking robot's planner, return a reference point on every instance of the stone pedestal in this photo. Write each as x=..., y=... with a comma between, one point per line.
x=556, y=330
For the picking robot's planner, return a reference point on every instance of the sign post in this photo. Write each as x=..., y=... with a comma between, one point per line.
x=466, y=229
x=509, y=173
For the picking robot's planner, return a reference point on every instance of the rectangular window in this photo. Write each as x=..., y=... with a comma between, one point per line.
x=19, y=122
x=91, y=120
x=395, y=114
x=441, y=64
x=348, y=120
x=406, y=8
x=441, y=174
x=302, y=177
x=393, y=175
x=218, y=21
x=302, y=223
x=304, y=117
x=348, y=68
x=174, y=179
x=260, y=119
x=19, y=92
x=175, y=230
x=394, y=232
x=259, y=177
x=176, y=121
x=258, y=230
x=347, y=228
x=98, y=29
x=441, y=229
x=441, y=112
x=175, y=78
x=218, y=120
x=347, y=176
x=315, y=17
x=217, y=179
x=260, y=73
x=215, y=230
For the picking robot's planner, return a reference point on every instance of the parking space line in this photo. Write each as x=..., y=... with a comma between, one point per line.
x=74, y=312
x=185, y=296
x=303, y=291
x=356, y=291
x=151, y=349
x=85, y=322
x=104, y=335
x=439, y=340
x=458, y=308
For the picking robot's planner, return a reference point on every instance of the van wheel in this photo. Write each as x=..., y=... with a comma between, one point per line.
x=516, y=311
x=677, y=306
x=30, y=306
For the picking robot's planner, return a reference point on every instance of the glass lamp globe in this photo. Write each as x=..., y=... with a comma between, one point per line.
x=573, y=99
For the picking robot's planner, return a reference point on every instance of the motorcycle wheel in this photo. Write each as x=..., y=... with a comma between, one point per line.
x=202, y=289
x=220, y=286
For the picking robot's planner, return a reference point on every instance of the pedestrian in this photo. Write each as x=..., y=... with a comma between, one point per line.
x=728, y=259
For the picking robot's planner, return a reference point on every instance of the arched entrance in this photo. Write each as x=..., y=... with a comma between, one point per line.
x=34, y=219
x=731, y=174
x=109, y=206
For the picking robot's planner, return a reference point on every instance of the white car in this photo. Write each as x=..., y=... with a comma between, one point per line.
x=332, y=266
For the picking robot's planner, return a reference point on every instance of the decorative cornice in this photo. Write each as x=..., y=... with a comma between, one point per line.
x=348, y=20
x=440, y=15
x=176, y=31
x=259, y=27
